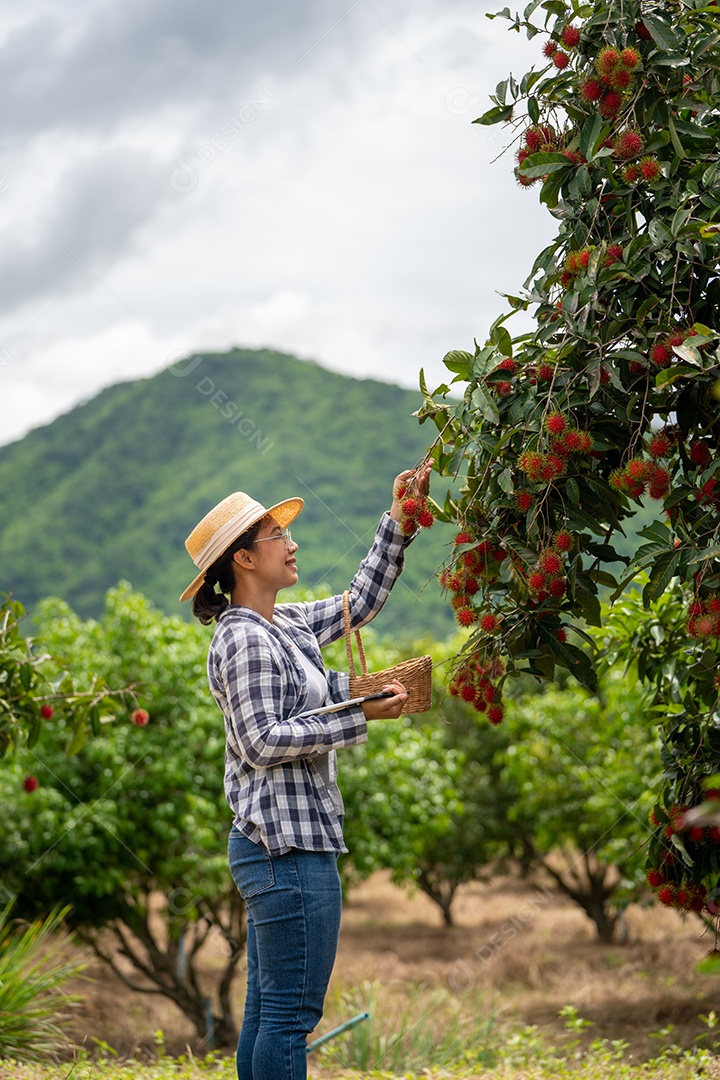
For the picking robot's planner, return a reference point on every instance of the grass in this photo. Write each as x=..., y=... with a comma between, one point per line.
x=502, y=996
x=34, y=965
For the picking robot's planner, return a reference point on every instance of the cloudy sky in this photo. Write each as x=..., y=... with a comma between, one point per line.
x=299, y=174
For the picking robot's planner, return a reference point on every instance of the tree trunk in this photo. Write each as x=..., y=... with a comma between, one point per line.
x=171, y=970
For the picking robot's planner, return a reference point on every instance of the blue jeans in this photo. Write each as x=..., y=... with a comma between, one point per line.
x=293, y=904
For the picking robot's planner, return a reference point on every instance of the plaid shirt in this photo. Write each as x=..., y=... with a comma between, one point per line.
x=271, y=784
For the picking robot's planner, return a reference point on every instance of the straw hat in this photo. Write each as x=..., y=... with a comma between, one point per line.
x=225, y=522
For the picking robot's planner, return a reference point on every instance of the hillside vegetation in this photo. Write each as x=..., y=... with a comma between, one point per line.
x=110, y=490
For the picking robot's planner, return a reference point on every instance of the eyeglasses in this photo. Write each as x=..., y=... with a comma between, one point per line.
x=283, y=535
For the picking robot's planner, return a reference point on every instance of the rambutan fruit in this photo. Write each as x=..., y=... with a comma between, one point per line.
x=563, y=540
x=560, y=59
x=591, y=91
x=610, y=104
x=682, y=898
x=636, y=368
x=465, y=616
x=616, y=480
x=713, y=605
x=697, y=833
x=620, y=78
x=467, y=693
x=654, y=878
x=570, y=37
x=463, y=537
x=481, y=705
x=649, y=169
x=536, y=582
x=676, y=338
x=523, y=500
x=571, y=441
x=554, y=466
x=630, y=58
x=606, y=60
x=613, y=254
x=531, y=463
x=642, y=31
x=522, y=155
x=666, y=895
x=471, y=585
x=575, y=157
x=503, y=389
x=495, y=714
x=658, y=482
x=637, y=470
x=660, y=445
x=629, y=144
x=562, y=635
x=508, y=364
x=533, y=139
x=571, y=264
x=488, y=622
x=660, y=355
x=555, y=423
x=545, y=372
x=631, y=173
x=565, y=278
x=410, y=506
x=525, y=181
x=700, y=454
x=583, y=258
x=634, y=488
x=556, y=587
x=550, y=48
x=426, y=518
x=550, y=562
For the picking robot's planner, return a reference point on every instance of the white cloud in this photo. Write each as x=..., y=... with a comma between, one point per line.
x=338, y=204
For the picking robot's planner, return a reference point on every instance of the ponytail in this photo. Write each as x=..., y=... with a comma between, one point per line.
x=209, y=602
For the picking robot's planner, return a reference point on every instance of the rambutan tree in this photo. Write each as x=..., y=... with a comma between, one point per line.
x=612, y=396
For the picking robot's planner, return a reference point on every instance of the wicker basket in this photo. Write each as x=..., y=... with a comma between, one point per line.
x=415, y=674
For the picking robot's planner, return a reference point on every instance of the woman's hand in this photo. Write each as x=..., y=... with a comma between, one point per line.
x=388, y=708
x=416, y=481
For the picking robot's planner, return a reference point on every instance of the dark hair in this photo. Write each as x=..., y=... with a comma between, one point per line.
x=209, y=602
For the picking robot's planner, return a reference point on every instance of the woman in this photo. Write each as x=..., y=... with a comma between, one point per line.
x=267, y=675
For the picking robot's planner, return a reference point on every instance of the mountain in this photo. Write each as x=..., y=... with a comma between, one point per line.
x=110, y=490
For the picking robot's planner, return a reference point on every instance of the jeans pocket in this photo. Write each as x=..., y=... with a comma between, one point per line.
x=251, y=867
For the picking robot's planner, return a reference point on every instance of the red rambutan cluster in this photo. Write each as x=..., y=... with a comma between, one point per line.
x=639, y=476
x=471, y=567
x=704, y=617
x=415, y=511
x=476, y=683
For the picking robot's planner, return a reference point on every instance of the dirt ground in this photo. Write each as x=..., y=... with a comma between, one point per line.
x=517, y=949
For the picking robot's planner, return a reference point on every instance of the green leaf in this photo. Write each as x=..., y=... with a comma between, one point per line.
x=657, y=232
x=550, y=193
x=662, y=34
x=458, y=361
x=495, y=116
x=670, y=375
x=592, y=135
x=679, y=148
x=533, y=109
x=544, y=162
x=662, y=572
x=482, y=401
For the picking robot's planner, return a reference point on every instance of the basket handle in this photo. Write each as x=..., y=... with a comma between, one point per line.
x=348, y=640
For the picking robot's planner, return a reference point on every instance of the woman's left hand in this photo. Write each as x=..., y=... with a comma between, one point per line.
x=416, y=481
